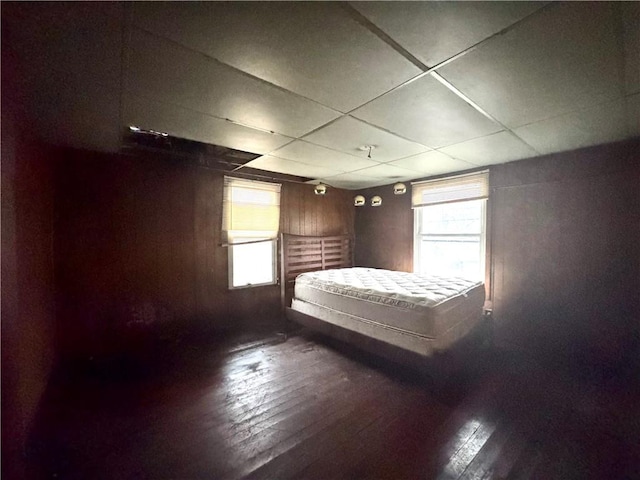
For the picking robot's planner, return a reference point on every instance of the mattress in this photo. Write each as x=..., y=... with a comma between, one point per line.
x=406, y=309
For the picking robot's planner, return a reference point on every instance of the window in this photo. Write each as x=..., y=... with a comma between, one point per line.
x=450, y=220
x=250, y=223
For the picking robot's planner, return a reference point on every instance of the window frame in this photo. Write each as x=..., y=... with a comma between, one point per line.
x=274, y=264
x=418, y=235
x=247, y=236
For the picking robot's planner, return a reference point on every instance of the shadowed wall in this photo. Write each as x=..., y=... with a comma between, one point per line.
x=566, y=251
x=138, y=249
x=384, y=234
x=28, y=322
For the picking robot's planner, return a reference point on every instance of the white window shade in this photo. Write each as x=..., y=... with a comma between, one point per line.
x=250, y=210
x=472, y=186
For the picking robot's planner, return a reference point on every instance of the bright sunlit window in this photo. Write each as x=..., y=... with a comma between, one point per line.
x=450, y=218
x=252, y=264
x=251, y=218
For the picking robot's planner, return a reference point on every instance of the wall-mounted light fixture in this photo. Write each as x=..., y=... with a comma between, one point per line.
x=320, y=189
x=376, y=201
x=399, y=189
x=359, y=201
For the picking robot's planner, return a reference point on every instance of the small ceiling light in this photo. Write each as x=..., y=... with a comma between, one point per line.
x=320, y=189
x=134, y=128
x=376, y=201
x=359, y=201
x=399, y=189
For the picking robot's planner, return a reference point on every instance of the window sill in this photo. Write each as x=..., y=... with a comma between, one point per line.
x=256, y=285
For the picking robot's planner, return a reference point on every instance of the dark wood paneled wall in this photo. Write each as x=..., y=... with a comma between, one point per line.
x=28, y=339
x=123, y=247
x=138, y=249
x=28, y=313
x=384, y=234
x=566, y=236
x=565, y=249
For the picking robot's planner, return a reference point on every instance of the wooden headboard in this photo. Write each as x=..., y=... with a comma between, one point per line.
x=299, y=254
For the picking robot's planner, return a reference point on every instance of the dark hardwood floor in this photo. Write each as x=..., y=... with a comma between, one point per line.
x=306, y=408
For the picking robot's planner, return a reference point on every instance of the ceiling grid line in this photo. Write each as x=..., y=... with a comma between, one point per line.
x=464, y=97
x=379, y=33
x=426, y=70
x=361, y=19
x=384, y=129
x=437, y=87
x=224, y=119
x=253, y=77
x=382, y=35
x=241, y=72
x=235, y=69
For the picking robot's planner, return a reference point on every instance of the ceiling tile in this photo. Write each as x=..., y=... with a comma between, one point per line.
x=432, y=163
x=381, y=174
x=347, y=185
x=184, y=123
x=436, y=31
x=281, y=165
x=564, y=58
x=354, y=176
x=497, y=148
x=161, y=69
x=388, y=173
x=601, y=124
x=312, y=48
x=353, y=181
x=68, y=57
x=347, y=134
x=310, y=154
x=427, y=112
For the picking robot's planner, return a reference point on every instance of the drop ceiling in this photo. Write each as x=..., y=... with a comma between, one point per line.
x=436, y=87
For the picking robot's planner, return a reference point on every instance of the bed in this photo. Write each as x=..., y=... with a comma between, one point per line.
x=402, y=316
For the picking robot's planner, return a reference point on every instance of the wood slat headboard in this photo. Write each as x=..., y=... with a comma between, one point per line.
x=300, y=253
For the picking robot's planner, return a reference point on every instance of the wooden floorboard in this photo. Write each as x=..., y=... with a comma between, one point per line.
x=312, y=409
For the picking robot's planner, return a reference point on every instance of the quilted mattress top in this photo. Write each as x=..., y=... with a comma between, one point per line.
x=399, y=289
